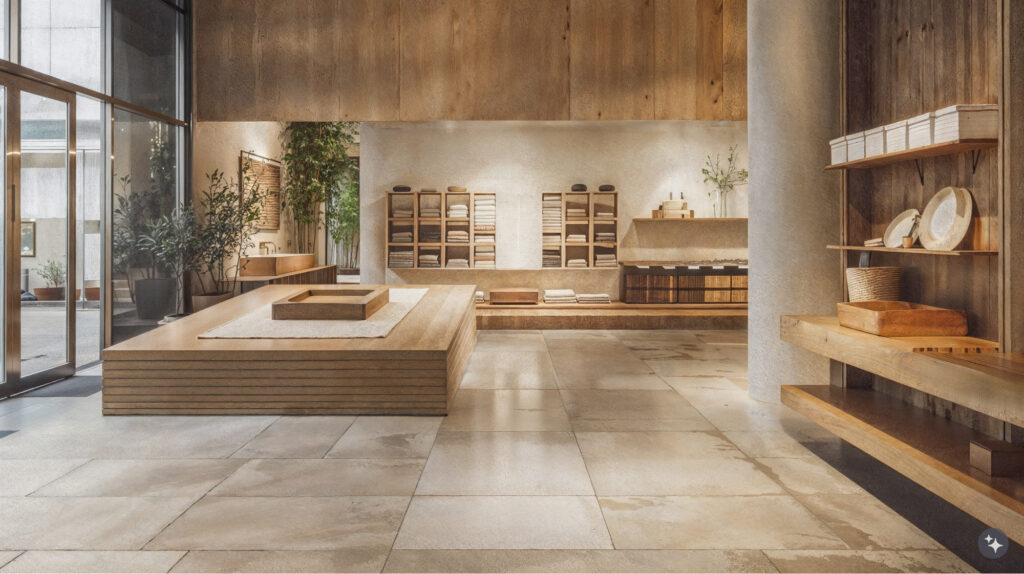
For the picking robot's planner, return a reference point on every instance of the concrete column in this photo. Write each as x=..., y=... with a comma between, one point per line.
x=793, y=80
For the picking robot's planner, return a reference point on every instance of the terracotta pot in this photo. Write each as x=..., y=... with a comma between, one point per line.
x=200, y=302
x=92, y=293
x=49, y=293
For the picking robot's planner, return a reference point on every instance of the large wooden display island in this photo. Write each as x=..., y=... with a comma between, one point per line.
x=415, y=370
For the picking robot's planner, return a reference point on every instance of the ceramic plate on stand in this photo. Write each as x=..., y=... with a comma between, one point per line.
x=902, y=225
x=946, y=219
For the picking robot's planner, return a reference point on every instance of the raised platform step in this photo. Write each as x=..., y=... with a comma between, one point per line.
x=931, y=451
x=611, y=316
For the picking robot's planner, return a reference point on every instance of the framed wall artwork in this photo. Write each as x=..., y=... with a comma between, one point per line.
x=267, y=172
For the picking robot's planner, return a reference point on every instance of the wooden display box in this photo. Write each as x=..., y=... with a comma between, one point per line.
x=335, y=303
x=900, y=319
x=515, y=296
x=273, y=265
x=997, y=458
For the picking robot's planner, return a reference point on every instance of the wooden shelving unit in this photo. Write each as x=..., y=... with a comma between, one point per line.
x=593, y=202
x=934, y=150
x=417, y=201
x=913, y=250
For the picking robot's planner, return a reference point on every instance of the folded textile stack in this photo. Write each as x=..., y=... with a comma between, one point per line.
x=552, y=240
x=459, y=210
x=479, y=296
x=559, y=296
x=488, y=238
x=484, y=212
x=605, y=236
x=430, y=260
x=605, y=260
x=874, y=242
x=551, y=258
x=551, y=214
x=576, y=263
x=430, y=212
x=457, y=264
x=401, y=237
x=603, y=214
x=458, y=236
x=593, y=298
x=576, y=212
x=401, y=211
x=400, y=259
x=576, y=238
x=431, y=234
x=483, y=257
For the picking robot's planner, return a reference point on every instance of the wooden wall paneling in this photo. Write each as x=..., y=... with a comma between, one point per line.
x=675, y=67
x=710, y=47
x=1012, y=160
x=734, y=60
x=470, y=60
x=611, y=53
x=366, y=60
x=224, y=66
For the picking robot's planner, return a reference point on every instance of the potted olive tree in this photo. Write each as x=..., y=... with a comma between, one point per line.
x=230, y=213
x=175, y=240
x=53, y=272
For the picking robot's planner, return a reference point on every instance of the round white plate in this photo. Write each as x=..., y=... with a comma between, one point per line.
x=946, y=219
x=902, y=225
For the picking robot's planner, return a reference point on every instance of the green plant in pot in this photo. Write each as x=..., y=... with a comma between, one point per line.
x=230, y=213
x=175, y=240
x=55, y=275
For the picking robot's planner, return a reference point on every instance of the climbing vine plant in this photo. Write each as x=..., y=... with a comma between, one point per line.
x=319, y=173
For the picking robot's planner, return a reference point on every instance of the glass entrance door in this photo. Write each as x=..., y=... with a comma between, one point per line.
x=40, y=290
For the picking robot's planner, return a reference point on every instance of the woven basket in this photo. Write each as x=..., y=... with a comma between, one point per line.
x=874, y=283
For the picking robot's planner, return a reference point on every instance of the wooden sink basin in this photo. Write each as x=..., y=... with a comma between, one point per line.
x=278, y=264
x=331, y=303
x=901, y=319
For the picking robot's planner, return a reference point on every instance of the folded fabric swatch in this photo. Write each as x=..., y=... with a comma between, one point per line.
x=576, y=238
x=457, y=263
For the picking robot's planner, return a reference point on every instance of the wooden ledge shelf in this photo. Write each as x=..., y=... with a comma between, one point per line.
x=730, y=263
x=945, y=148
x=913, y=250
x=957, y=369
x=614, y=305
x=932, y=451
x=693, y=219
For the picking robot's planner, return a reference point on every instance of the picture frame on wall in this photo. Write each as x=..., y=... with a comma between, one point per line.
x=267, y=172
x=28, y=238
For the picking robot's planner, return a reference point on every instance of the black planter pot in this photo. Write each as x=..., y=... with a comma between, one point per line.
x=154, y=298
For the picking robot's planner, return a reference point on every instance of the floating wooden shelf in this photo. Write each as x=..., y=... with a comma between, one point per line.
x=946, y=148
x=619, y=305
x=692, y=219
x=931, y=450
x=729, y=263
x=913, y=250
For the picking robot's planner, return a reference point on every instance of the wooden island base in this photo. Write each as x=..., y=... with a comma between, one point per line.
x=415, y=370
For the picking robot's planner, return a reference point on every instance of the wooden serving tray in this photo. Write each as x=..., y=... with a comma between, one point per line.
x=901, y=319
x=330, y=303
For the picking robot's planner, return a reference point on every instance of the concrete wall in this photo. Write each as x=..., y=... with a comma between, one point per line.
x=520, y=160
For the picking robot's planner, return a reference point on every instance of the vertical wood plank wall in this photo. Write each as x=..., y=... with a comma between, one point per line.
x=421, y=60
x=904, y=58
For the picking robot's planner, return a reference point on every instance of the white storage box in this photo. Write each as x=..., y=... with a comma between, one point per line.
x=838, y=150
x=966, y=122
x=874, y=142
x=855, y=146
x=896, y=136
x=919, y=130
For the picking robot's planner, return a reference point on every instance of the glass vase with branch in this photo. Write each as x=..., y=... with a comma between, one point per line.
x=724, y=179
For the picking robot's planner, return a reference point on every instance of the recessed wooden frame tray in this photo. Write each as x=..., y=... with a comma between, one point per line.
x=333, y=303
x=515, y=296
x=901, y=319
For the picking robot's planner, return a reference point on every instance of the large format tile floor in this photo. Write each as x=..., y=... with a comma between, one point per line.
x=565, y=451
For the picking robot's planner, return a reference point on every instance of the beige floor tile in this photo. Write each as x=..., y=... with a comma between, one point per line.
x=572, y=336
x=644, y=408
x=714, y=522
x=609, y=561
x=503, y=522
x=296, y=437
x=604, y=359
x=863, y=522
x=259, y=561
x=8, y=555
x=702, y=383
x=610, y=381
x=670, y=463
x=723, y=336
x=507, y=410
x=387, y=437
x=505, y=463
x=737, y=413
x=509, y=370
x=510, y=341
x=866, y=561
x=20, y=477
x=42, y=523
x=697, y=368
x=229, y=523
x=185, y=478
x=762, y=444
x=94, y=561
x=808, y=476
x=323, y=477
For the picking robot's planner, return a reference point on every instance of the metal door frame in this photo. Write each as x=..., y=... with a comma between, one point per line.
x=14, y=86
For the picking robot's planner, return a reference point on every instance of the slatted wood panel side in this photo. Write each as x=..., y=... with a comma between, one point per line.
x=905, y=58
x=1013, y=175
x=267, y=175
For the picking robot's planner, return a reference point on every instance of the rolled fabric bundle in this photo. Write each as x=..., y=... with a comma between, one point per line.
x=606, y=187
x=579, y=187
x=456, y=189
x=402, y=188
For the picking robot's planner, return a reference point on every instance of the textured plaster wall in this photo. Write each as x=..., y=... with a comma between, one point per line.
x=793, y=82
x=520, y=160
